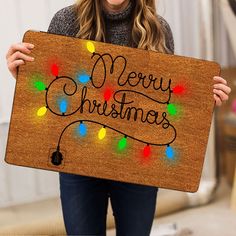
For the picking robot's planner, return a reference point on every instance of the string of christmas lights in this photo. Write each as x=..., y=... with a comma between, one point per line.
x=82, y=131
x=82, y=128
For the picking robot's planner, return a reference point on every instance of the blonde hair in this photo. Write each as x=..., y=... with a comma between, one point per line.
x=147, y=30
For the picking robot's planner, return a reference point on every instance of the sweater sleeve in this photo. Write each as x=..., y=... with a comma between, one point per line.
x=64, y=22
x=168, y=34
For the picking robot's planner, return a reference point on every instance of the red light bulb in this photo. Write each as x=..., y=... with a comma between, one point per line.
x=179, y=89
x=55, y=69
x=147, y=151
x=107, y=94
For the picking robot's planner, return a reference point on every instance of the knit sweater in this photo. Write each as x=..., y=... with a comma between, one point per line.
x=117, y=25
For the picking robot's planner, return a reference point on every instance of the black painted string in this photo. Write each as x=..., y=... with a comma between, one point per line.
x=116, y=130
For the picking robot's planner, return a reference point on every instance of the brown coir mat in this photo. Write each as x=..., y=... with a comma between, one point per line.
x=112, y=112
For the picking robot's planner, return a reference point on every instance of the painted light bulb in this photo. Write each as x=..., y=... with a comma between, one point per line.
x=102, y=133
x=172, y=109
x=90, y=47
x=63, y=105
x=107, y=94
x=170, y=153
x=55, y=69
x=179, y=90
x=42, y=111
x=122, y=144
x=147, y=151
x=83, y=78
x=39, y=85
x=82, y=130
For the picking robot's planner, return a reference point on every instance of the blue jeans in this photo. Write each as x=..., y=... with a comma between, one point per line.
x=85, y=200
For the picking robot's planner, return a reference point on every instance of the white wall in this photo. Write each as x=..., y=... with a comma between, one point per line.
x=19, y=184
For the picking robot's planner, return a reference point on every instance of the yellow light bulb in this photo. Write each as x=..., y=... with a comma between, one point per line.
x=102, y=133
x=90, y=47
x=42, y=111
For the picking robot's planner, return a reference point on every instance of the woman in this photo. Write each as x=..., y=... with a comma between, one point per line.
x=132, y=23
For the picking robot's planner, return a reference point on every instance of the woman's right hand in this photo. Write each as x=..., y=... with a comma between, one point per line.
x=17, y=55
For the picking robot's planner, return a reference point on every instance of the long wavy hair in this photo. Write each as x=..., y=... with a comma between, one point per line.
x=147, y=31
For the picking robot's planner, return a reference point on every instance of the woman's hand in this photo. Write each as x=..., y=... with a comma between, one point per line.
x=17, y=55
x=221, y=90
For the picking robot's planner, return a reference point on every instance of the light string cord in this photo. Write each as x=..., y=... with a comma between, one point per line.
x=126, y=136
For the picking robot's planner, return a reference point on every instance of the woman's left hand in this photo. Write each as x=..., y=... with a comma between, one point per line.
x=221, y=90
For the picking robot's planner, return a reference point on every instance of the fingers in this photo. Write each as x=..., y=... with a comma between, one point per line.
x=221, y=90
x=13, y=67
x=223, y=96
x=217, y=100
x=222, y=87
x=15, y=64
x=17, y=55
x=219, y=79
x=22, y=47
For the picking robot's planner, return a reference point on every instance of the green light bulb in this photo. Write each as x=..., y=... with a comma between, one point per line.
x=39, y=85
x=172, y=109
x=122, y=144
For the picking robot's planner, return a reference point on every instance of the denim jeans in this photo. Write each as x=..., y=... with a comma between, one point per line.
x=84, y=205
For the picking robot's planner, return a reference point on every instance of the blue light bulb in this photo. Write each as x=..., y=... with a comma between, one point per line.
x=170, y=153
x=63, y=105
x=82, y=130
x=83, y=78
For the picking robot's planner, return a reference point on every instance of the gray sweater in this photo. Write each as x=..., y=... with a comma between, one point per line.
x=117, y=25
